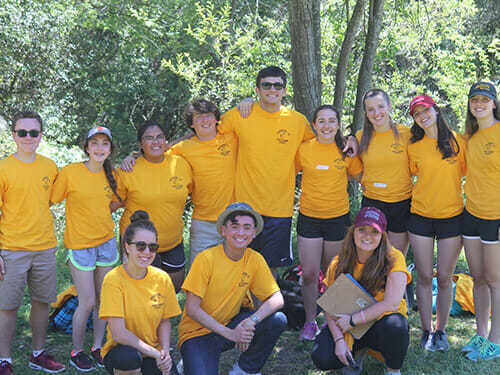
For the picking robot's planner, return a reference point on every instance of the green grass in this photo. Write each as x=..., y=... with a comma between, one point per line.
x=290, y=356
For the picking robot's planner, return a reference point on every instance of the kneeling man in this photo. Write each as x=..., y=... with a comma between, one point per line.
x=216, y=287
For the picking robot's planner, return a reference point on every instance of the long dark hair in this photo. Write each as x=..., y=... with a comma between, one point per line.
x=138, y=220
x=446, y=141
x=107, y=165
x=377, y=267
x=339, y=138
x=471, y=125
x=367, y=125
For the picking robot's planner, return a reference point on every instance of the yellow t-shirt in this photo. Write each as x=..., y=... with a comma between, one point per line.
x=482, y=184
x=213, y=163
x=26, y=222
x=222, y=284
x=398, y=266
x=437, y=193
x=142, y=304
x=88, y=194
x=160, y=189
x=386, y=172
x=267, y=144
x=324, y=179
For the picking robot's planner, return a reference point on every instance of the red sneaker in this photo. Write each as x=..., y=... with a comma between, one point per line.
x=46, y=362
x=6, y=368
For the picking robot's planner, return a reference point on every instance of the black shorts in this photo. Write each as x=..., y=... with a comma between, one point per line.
x=333, y=229
x=435, y=228
x=171, y=260
x=396, y=213
x=476, y=228
x=275, y=241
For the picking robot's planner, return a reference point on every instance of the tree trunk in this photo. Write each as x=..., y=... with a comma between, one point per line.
x=365, y=71
x=345, y=52
x=305, y=34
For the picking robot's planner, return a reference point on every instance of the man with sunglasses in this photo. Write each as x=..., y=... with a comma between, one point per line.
x=27, y=242
x=216, y=287
x=268, y=140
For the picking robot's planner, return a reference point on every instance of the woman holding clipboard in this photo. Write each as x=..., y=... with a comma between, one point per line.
x=381, y=271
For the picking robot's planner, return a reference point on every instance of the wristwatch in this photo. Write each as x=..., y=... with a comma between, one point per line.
x=254, y=318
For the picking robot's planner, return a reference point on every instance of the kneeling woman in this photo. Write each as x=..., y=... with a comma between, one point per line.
x=381, y=270
x=137, y=300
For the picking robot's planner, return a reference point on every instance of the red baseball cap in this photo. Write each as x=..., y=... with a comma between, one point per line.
x=424, y=100
x=371, y=216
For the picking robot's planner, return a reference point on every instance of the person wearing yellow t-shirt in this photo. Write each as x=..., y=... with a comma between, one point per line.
x=159, y=184
x=381, y=270
x=386, y=180
x=324, y=205
x=212, y=157
x=88, y=188
x=27, y=241
x=137, y=301
x=216, y=287
x=481, y=224
x=436, y=213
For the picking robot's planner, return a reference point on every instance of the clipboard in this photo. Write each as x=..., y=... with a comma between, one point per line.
x=347, y=296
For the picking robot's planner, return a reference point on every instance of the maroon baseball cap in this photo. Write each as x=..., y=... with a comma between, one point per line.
x=424, y=100
x=371, y=216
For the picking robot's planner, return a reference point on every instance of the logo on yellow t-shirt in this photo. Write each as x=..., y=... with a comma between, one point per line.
x=176, y=182
x=244, y=279
x=109, y=192
x=339, y=163
x=489, y=148
x=157, y=301
x=224, y=149
x=282, y=136
x=46, y=183
x=397, y=148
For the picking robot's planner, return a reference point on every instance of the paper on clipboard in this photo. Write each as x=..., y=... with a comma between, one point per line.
x=347, y=296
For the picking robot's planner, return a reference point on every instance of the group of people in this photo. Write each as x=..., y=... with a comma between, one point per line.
x=239, y=169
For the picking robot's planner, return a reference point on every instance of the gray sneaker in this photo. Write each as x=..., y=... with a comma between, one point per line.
x=426, y=341
x=440, y=341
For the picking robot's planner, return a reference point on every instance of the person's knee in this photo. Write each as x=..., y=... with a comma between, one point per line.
x=277, y=321
x=444, y=280
x=123, y=358
x=323, y=360
x=310, y=274
x=425, y=279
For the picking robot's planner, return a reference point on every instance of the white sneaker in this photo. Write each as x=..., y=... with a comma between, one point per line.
x=180, y=367
x=238, y=371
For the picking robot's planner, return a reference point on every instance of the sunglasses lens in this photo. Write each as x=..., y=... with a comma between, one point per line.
x=34, y=133
x=153, y=247
x=141, y=245
x=268, y=85
x=22, y=133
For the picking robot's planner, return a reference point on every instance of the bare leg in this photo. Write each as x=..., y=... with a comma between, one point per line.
x=330, y=250
x=448, y=251
x=99, y=325
x=399, y=241
x=8, y=328
x=177, y=279
x=423, y=254
x=39, y=320
x=310, y=252
x=492, y=271
x=84, y=284
x=127, y=372
x=482, y=299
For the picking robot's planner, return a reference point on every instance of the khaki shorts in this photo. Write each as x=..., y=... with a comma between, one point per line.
x=36, y=268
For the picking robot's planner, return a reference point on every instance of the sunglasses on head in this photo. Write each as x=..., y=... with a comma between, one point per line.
x=23, y=133
x=141, y=246
x=268, y=85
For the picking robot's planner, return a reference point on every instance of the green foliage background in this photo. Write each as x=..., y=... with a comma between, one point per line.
x=119, y=63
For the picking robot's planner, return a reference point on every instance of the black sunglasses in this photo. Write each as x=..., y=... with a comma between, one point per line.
x=268, y=85
x=141, y=246
x=23, y=133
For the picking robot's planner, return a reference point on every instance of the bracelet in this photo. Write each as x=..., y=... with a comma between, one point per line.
x=351, y=322
x=339, y=339
x=363, y=316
